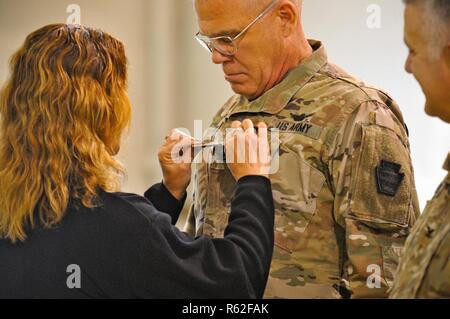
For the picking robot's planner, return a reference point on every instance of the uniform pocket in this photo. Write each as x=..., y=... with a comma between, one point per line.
x=295, y=188
x=381, y=194
x=220, y=190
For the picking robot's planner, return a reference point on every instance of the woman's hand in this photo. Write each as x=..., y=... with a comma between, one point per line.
x=175, y=161
x=248, y=151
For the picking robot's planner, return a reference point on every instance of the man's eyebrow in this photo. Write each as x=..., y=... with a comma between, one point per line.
x=222, y=33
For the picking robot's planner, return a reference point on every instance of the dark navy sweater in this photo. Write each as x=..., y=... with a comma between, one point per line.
x=128, y=247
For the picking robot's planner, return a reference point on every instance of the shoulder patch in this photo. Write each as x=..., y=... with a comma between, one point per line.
x=388, y=177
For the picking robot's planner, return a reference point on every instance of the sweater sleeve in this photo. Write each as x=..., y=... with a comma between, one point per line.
x=175, y=265
x=164, y=201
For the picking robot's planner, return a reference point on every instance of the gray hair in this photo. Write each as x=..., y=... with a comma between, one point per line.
x=252, y=3
x=436, y=25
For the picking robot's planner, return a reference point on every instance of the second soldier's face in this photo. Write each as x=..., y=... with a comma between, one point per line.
x=255, y=68
x=432, y=73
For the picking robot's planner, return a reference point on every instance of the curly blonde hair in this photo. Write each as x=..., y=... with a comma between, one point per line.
x=62, y=111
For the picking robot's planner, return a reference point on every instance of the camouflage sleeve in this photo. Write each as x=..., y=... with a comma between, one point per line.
x=375, y=199
x=189, y=226
x=436, y=284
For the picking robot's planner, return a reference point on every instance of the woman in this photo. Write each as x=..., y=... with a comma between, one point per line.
x=66, y=230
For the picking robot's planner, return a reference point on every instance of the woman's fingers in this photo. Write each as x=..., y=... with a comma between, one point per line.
x=262, y=129
x=248, y=127
x=236, y=124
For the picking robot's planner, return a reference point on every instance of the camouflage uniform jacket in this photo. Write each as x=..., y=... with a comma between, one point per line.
x=424, y=270
x=344, y=192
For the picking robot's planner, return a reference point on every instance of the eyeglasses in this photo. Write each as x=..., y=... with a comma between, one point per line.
x=225, y=44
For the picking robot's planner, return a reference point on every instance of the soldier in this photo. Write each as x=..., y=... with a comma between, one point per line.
x=344, y=192
x=424, y=271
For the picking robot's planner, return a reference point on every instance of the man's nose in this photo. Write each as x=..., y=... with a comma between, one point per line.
x=219, y=58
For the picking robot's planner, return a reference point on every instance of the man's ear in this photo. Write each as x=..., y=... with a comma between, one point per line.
x=289, y=15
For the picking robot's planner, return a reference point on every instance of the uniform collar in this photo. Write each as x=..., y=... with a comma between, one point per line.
x=276, y=99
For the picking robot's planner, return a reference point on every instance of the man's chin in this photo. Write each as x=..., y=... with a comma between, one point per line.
x=239, y=88
x=429, y=109
x=433, y=110
x=243, y=90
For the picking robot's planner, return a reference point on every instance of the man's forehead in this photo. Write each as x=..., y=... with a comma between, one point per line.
x=217, y=17
x=223, y=17
x=413, y=22
x=225, y=6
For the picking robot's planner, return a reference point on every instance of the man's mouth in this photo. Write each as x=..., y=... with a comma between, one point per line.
x=235, y=77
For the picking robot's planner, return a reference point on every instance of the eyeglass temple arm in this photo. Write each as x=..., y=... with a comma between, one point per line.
x=256, y=19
